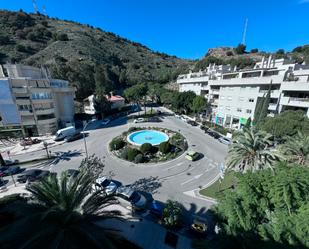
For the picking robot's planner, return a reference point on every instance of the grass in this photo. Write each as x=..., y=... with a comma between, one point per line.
x=216, y=190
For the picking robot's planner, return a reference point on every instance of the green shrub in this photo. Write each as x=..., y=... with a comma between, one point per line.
x=172, y=213
x=146, y=148
x=4, y=39
x=132, y=153
x=178, y=141
x=165, y=147
x=116, y=144
x=21, y=48
x=139, y=158
x=60, y=37
x=131, y=129
x=124, y=154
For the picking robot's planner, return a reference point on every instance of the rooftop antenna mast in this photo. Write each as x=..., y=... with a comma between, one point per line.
x=35, y=7
x=244, y=33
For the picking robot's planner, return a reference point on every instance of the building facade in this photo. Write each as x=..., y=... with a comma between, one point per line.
x=116, y=102
x=30, y=100
x=234, y=94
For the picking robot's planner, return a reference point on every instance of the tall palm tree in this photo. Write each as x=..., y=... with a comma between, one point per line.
x=296, y=149
x=250, y=150
x=60, y=214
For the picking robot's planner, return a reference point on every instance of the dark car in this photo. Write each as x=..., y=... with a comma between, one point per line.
x=213, y=134
x=193, y=123
x=12, y=170
x=32, y=175
x=74, y=137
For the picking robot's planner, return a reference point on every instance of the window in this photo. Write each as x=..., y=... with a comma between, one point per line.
x=238, y=109
x=248, y=111
x=241, y=98
x=229, y=98
x=251, y=100
x=46, y=116
x=42, y=95
x=222, y=97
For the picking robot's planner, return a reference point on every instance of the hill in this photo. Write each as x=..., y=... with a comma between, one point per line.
x=242, y=59
x=82, y=54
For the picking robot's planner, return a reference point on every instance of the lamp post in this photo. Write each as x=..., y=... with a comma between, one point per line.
x=84, y=137
x=45, y=144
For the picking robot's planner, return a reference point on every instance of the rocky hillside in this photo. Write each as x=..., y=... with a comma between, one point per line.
x=82, y=54
x=243, y=59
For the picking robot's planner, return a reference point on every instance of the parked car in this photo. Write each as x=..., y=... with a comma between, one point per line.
x=72, y=172
x=109, y=186
x=225, y=140
x=139, y=120
x=204, y=128
x=137, y=200
x=105, y=121
x=65, y=132
x=32, y=175
x=192, y=155
x=74, y=137
x=193, y=123
x=29, y=141
x=213, y=134
x=11, y=170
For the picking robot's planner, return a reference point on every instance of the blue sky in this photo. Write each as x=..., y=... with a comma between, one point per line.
x=187, y=28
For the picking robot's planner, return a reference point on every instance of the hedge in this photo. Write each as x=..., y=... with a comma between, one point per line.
x=165, y=147
x=116, y=144
x=132, y=153
x=146, y=148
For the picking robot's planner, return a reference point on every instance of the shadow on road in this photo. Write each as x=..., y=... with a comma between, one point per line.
x=150, y=184
x=66, y=156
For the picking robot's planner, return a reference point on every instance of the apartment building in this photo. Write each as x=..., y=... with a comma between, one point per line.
x=234, y=94
x=32, y=102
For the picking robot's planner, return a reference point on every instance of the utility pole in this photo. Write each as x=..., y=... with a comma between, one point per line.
x=35, y=7
x=245, y=33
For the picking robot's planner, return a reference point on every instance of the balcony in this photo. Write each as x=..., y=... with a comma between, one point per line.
x=272, y=107
x=26, y=112
x=44, y=111
x=296, y=102
x=273, y=93
x=295, y=86
x=247, y=81
x=23, y=90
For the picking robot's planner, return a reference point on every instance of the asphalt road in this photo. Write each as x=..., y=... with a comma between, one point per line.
x=167, y=180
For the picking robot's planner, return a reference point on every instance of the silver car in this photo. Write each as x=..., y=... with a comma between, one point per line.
x=109, y=186
x=137, y=200
x=225, y=140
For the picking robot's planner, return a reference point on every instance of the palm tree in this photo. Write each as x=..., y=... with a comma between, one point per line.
x=60, y=214
x=250, y=150
x=296, y=149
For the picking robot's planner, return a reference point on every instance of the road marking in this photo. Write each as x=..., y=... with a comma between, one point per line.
x=177, y=165
x=192, y=179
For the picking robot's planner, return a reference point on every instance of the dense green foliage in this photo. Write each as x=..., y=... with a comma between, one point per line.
x=199, y=104
x=287, y=123
x=250, y=151
x=240, y=49
x=146, y=148
x=139, y=158
x=117, y=143
x=165, y=147
x=61, y=214
x=267, y=207
x=172, y=213
x=69, y=48
x=132, y=153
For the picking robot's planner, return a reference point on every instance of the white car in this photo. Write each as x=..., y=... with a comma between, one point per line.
x=225, y=140
x=139, y=120
x=109, y=186
x=105, y=121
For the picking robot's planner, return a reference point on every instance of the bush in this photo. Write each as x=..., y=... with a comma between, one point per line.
x=116, y=144
x=4, y=39
x=165, y=147
x=240, y=49
x=172, y=213
x=31, y=36
x=139, y=158
x=60, y=37
x=146, y=148
x=132, y=153
x=229, y=53
x=124, y=154
x=178, y=141
x=254, y=50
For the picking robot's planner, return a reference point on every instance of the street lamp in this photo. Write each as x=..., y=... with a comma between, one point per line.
x=85, y=144
x=45, y=144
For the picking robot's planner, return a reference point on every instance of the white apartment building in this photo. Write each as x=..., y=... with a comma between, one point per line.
x=32, y=102
x=234, y=94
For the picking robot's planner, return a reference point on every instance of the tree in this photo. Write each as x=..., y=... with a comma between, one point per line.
x=240, y=49
x=248, y=123
x=103, y=80
x=254, y=50
x=250, y=151
x=101, y=105
x=153, y=93
x=61, y=214
x=266, y=207
x=172, y=213
x=261, y=109
x=136, y=94
x=296, y=149
x=199, y=104
x=182, y=101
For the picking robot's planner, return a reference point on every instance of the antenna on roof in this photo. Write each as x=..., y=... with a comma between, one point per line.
x=35, y=7
x=244, y=33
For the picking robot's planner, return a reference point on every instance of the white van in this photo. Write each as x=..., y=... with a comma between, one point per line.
x=63, y=133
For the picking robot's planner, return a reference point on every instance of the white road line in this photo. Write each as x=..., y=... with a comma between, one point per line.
x=177, y=165
x=192, y=179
